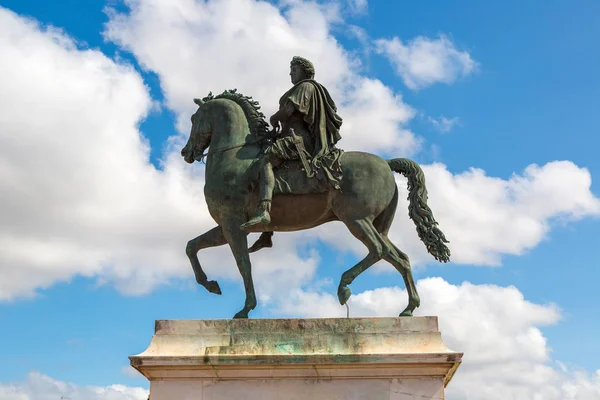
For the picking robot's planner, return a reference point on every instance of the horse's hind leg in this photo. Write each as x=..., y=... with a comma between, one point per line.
x=212, y=238
x=396, y=257
x=380, y=247
x=364, y=231
x=400, y=261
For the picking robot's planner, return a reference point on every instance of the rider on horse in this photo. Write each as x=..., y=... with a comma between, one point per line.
x=309, y=131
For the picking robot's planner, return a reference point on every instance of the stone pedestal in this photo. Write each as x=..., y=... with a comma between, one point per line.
x=298, y=359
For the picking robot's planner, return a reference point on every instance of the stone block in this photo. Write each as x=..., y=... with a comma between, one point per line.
x=287, y=359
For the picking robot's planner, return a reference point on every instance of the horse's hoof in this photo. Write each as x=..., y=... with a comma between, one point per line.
x=213, y=287
x=344, y=294
x=406, y=313
x=241, y=315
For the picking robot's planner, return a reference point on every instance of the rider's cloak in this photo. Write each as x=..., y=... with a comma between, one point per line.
x=319, y=113
x=312, y=100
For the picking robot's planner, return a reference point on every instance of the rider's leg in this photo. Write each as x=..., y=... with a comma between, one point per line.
x=267, y=184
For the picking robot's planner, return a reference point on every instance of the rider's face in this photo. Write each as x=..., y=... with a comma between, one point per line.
x=296, y=73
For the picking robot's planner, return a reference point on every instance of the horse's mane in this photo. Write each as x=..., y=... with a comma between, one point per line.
x=256, y=119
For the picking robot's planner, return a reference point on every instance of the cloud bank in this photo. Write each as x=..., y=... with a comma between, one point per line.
x=42, y=387
x=506, y=355
x=422, y=61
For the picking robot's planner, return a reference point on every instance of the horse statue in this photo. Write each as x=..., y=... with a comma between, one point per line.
x=231, y=126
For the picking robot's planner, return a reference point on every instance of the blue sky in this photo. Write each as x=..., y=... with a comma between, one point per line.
x=520, y=80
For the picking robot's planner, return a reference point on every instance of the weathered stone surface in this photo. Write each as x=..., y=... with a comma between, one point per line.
x=345, y=358
x=371, y=389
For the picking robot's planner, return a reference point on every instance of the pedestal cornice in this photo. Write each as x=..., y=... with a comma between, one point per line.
x=323, y=348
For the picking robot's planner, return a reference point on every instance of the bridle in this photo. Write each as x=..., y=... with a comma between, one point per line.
x=237, y=146
x=210, y=153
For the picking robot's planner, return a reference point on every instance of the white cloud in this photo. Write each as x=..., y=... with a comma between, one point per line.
x=358, y=6
x=84, y=199
x=486, y=217
x=382, y=113
x=424, y=61
x=506, y=356
x=42, y=387
x=248, y=45
x=443, y=124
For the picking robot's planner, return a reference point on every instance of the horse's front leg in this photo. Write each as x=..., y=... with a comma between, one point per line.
x=238, y=242
x=212, y=238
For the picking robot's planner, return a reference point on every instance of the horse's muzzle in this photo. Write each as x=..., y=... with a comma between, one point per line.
x=187, y=155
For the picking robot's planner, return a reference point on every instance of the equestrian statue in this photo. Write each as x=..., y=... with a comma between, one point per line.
x=293, y=177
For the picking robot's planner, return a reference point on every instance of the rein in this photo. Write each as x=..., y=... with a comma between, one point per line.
x=210, y=153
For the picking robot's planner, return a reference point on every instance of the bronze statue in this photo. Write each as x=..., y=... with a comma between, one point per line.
x=307, y=181
x=309, y=131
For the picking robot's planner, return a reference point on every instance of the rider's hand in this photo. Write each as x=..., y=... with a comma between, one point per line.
x=274, y=123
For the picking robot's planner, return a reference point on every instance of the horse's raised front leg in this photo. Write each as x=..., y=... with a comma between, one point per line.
x=238, y=242
x=212, y=238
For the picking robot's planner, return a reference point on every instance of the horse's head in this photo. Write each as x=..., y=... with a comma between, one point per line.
x=200, y=134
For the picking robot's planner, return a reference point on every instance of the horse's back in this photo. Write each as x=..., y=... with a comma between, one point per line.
x=367, y=187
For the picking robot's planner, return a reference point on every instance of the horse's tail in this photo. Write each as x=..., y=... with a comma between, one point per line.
x=419, y=211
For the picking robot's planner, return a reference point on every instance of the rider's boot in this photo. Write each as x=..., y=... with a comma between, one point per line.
x=267, y=183
x=263, y=216
x=264, y=241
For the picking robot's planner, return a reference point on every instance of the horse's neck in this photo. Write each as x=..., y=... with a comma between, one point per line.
x=229, y=130
x=224, y=146
x=229, y=127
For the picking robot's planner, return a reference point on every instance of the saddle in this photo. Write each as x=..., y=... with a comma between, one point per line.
x=291, y=178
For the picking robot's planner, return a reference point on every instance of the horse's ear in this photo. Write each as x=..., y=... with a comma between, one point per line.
x=198, y=101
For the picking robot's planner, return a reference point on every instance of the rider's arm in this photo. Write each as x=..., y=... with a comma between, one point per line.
x=284, y=113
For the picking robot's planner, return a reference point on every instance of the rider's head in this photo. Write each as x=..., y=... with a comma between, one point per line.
x=305, y=66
